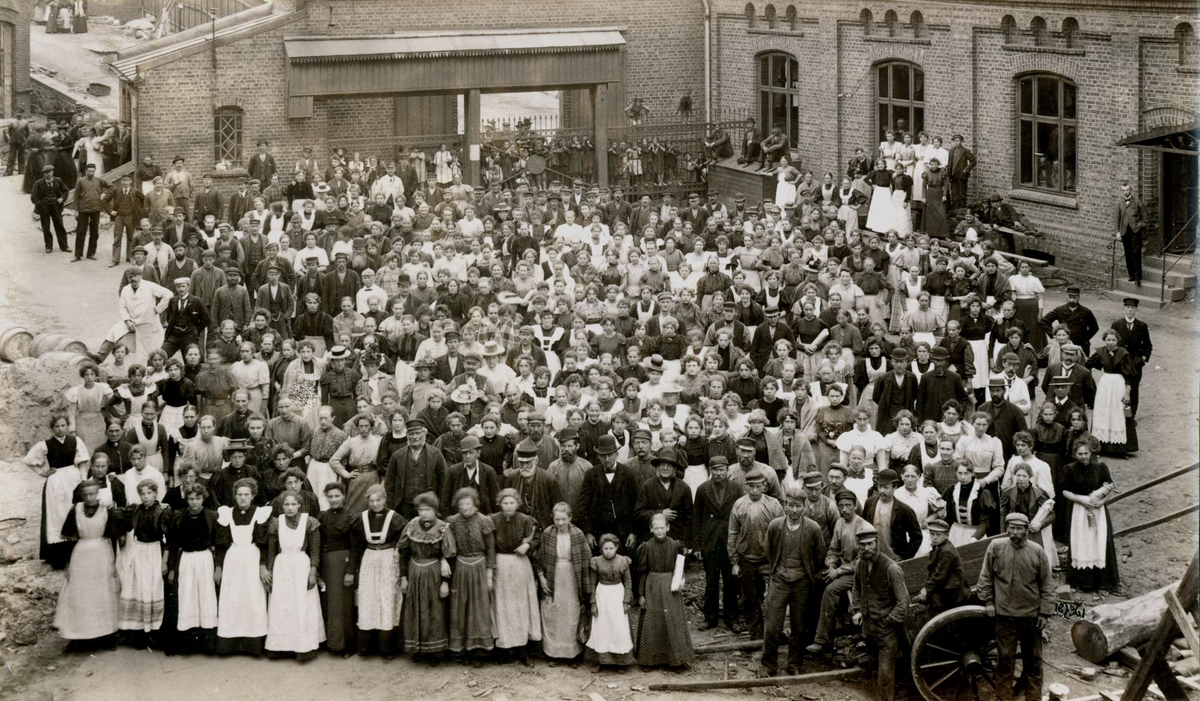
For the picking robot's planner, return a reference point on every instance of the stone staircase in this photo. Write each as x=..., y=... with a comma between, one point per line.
x=1180, y=279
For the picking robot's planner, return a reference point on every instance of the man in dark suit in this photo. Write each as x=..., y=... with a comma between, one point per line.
x=124, y=205
x=962, y=162
x=710, y=538
x=608, y=497
x=938, y=386
x=766, y=335
x=184, y=319
x=338, y=283
x=773, y=148
x=895, y=392
x=796, y=553
x=208, y=201
x=1080, y=321
x=666, y=494
x=904, y=529
x=474, y=474
x=750, y=149
x=450, y=365
x=1131, y=220
x=718, y=144
x=1134, y=336
x=1083, y=387
x=413, y=470
x=262, y=164
x=695, y=213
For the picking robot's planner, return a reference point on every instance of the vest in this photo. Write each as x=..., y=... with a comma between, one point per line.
x=60, y=454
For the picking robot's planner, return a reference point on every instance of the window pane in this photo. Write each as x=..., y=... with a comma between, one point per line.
x=779, y=72
x=794, y=73
x=918, y=124
x=900, y=120
x=1025, y=148
x=918, y=81
x=793, y=130
x=779, y=110
x=1047, y=97
x=1047, y=156
x=1068, y=149
x=1068, y=100
x=883, y=81
x=900, y=82
x=884, y=121
x=1027, y=96
x=764, y=113
x=764, y=70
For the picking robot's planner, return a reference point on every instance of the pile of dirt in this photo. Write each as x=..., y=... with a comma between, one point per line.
x=31, y=391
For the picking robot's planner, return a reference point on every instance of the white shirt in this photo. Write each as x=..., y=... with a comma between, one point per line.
x=144, y=305
x=366, y=293
x=391, y=186
x=569, y=233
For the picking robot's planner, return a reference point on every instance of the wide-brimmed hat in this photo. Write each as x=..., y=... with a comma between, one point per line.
x=492, y=348
x=509, y=299
x=465, y=394
x=667, y=456
x=654, y=362
x=339, y=353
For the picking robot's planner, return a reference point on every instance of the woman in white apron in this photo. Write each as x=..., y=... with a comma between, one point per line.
x=847, y=208
x=150, y=437
x=976, y=330
x=242, y=607
x=785, y=188
x=925, y=323
x=294, y=622
x=87, y=605
x=918, y=168
x=62, y=460
x=379, y=596
x=921, y=500
x=1087, y=486
x=963, y=507
x=879, y=216
x=143, y=599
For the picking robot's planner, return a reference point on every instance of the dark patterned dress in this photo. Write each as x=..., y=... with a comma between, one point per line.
x=663, y=637
x=422, y=548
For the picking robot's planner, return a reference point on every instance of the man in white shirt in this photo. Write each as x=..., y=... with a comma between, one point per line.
x=569, y=231
x=390, y=185
x=141, y=303
x=369, y=289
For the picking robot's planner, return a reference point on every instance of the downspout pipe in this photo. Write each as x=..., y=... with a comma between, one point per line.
x=707, y=60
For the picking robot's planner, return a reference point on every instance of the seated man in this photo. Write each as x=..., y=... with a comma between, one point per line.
x=839, y=573
x=945, y=584
x=774, y=147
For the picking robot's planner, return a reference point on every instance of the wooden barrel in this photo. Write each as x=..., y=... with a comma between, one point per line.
x=69, y=359
x=14, y=341
x=49, y=342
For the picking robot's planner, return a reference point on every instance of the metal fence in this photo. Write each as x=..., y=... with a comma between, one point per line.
x=181, y=15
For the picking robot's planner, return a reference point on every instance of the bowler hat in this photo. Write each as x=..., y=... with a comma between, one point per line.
x=607, y=445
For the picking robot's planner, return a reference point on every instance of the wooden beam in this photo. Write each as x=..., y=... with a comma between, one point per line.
x=1181, y=620
x=1152, y=482
x=1154, y=658
x=796, y=680
x=736, y=646
x=472, y=143
x=1157, y=521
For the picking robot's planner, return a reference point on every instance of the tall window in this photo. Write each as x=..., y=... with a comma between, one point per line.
x=779, y=94
x=899, y=98
x=227, y=135
x=1046, y=132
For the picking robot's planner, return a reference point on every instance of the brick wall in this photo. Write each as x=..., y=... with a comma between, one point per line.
x=16, y=13
x=1123, y=63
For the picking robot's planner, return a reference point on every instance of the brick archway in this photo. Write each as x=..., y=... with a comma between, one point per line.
x=1065, y=66
x=881, y=52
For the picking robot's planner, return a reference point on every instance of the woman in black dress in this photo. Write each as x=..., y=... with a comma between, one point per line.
x=1086, y=488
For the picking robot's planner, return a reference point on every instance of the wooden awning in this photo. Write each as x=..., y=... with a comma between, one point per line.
x=450, y=62
x=1166, y=129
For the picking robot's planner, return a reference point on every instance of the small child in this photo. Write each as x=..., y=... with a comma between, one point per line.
x=663, y=637
x=610, y=642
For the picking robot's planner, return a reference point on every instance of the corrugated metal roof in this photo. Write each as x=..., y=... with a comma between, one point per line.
x=128, y=67
x=425, y=44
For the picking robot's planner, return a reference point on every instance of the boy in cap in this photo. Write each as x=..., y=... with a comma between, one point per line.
x=1016, y=587
x=747, y=546
x=945, y=584
x=710, y=536
x=879, y=601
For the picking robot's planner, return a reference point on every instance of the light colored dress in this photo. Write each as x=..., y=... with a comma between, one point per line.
x=560, y=612
x=888, y=152
x=785, y=189
x=917, y=170
x=87, y=606
x=88, y=403
x=242, y=605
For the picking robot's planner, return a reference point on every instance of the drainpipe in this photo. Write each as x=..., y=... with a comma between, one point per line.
x=707, y=60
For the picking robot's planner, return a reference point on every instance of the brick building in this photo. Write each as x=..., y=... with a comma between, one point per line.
x=1045, y=94
x=15, y=85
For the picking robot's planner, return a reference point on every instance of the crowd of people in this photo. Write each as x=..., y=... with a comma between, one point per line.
x=441, y=419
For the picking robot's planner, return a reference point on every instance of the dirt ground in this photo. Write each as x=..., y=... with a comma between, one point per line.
x=76, y=58
x=47, y=293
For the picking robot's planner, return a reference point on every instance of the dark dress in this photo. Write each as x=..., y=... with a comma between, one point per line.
x=422, y=548
x=662, y=635
x=1082, y=480
x=338, y=556
x=470, y=598
x=936, y=224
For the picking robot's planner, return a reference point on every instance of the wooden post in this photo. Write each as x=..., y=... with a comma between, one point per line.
x=471, y=142
x=600, y=124
x=1154, y=658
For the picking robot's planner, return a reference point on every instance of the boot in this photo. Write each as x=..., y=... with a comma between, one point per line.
x=105, y=349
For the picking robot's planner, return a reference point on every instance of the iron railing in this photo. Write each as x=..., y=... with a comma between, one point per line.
x=1162, y=287
x=181, y=15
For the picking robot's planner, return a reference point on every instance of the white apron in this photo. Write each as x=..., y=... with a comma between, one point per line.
x=149, y=444
x=243, y=602
x=60, y=486
x=320, y=474
x=293, y=611
x=378, y=596
x=982, y=368
x=197, y=594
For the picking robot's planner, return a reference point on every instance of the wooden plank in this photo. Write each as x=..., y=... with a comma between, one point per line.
x=796, y=680
x=1026, y=259
x=1157, y=521
x=1181, y=620
x=1125, y=494
x=1154, y=662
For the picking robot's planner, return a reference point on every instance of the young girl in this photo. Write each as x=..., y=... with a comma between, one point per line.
x=663, y=637
x=84, y=406
x=376, y=534
x=242, y=605
x=193, y=604
x=141, y=576
x=610, y=642
x=88, y=603
x=294, y=622
x=425, y=547
x=515, y=593
x=474, y=572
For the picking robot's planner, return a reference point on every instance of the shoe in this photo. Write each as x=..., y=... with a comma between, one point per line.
x=113, y=264
x=76, y=259
x=49, y=250
x=65, y=250
x=763, y=673
x=1138, y=283
x=793, y=671
x=816, y=648
x=737, y=628
x=91, y=257
x=708, y=625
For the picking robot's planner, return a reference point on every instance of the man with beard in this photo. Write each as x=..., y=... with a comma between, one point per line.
x=569, y=469
x=608, y=497
x=880, y=603
x=539, y=491
x=746, y=464
x=939, y=386
x=710, y=536
x=546, y=448
x=474, y=474
x=895, y=392
x=641, y=463
x=747, y=547
x=416, y=469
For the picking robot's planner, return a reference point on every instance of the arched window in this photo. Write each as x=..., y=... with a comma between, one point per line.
x=917, y=20
x=1047, y=132
x=899, y=98
x=790, y=17
x=890, y=21
x=1070, y=30
x=769, y=14
x=227, y=135
x=750, y=14
x=1188, y=49
x=1038, y=28
x=1008, y=26
x=867, y=20
x=779, y=94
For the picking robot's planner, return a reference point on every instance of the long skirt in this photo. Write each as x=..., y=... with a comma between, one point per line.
x=516, y=614
x=560, y=615
x=663, y=637
x=1027, y=312
x=424, y=609
x=242, y=604
x=87, y=606
x=337, y=602
x=938, y=304
x=470, y=606
x=294, y=622
x=1093, y=553
x=56, y=504
x=378, y=597
x=901, y=217
x=785, y=193
x=197, y=591
x=879, y=216
x=89, y=428
x=935, y=221
x=848, y=216
x=171, y=418
x=320, y=474
x=1108, y=415
x=982, y=366
x=611, y=640
x=143, y=599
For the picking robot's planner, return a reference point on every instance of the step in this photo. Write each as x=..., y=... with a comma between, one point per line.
x=1171, y=260
x=1177, y=277
x=1147, y=300
x=1173, y=294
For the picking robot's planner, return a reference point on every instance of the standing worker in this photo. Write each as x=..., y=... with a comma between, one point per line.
x=1016, y=588
x=880, y=604
x=48, y=196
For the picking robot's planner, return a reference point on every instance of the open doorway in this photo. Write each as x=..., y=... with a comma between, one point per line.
x=505, y=111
